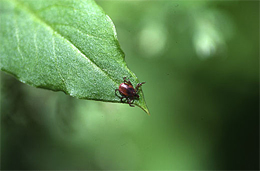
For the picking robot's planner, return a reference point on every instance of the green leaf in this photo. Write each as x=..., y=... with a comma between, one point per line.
x=68, y=46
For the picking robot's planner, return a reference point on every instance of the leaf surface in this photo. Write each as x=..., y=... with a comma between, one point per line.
x=68, y=46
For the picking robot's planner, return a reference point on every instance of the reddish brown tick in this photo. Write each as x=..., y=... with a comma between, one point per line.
x=128, y=92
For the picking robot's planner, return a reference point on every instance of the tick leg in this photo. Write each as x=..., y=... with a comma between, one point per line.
x=130, y=102
x=131, y=105
x=138, y=86
x=125, y=80
x=128, y=81
x=121, y=99
x=116, y=93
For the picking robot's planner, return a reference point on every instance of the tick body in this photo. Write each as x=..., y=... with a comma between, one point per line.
x=128, y=92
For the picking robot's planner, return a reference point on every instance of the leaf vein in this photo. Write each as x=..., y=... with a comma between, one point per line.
x=88, y=35
x=33, y=13
x=17, y=36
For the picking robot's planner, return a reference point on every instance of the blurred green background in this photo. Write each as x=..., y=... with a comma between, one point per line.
x=200, y=61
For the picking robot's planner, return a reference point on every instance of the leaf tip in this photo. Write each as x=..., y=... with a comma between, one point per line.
x=144, y=108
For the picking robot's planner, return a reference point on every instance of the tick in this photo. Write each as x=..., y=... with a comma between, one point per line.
x=128, y=92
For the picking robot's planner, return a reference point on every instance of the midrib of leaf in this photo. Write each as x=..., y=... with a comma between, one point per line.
x=39, y=19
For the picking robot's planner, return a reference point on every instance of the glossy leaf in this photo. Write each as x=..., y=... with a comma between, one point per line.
x=68, y=46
